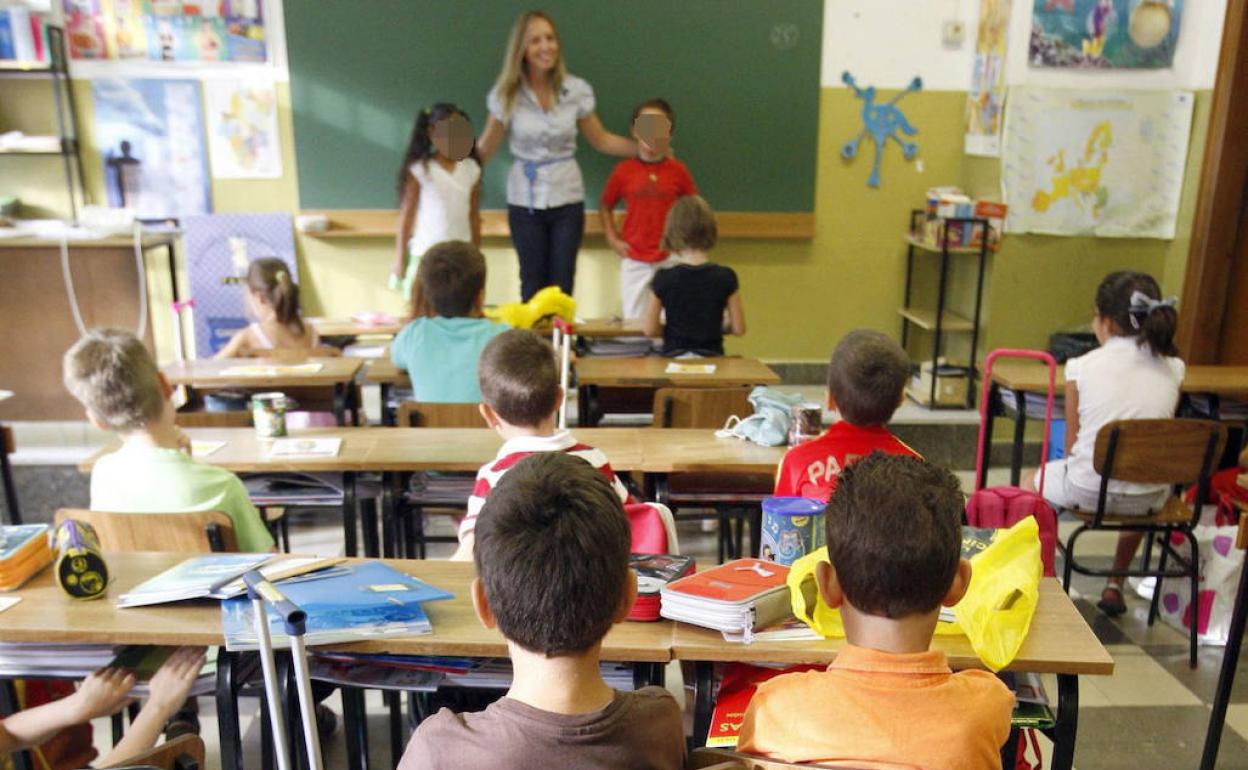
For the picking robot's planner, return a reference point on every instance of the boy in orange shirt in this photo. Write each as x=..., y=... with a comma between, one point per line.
x=894, y=540
x=866, y=383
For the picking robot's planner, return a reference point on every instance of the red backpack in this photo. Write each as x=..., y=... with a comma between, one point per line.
x=1000, y=507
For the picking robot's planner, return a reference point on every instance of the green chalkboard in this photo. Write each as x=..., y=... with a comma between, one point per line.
x=742, y=75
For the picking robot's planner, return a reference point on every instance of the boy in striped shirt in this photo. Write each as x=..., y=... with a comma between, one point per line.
x=520, y=395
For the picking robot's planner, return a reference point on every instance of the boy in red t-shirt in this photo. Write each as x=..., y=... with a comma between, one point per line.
x=649, y=184
x=866, y=383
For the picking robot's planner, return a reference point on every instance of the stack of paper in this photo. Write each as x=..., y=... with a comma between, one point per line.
x=24, y=551
x=292, y=489
x=76, y=661
x=367, y=600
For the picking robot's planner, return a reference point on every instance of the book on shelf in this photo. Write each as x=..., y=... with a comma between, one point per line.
x=744, y=593
x=195, y=578
x=292, y=489
x=365, y=600
x=654, y=571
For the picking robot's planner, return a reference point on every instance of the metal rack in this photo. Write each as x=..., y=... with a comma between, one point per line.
x=941, y=321
x=57, y=73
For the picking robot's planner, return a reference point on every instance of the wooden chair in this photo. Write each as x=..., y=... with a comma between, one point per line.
x=202, y=532
x=722, y=759
x=186, y=752
x=1172, y=452
x=735, y=497
x=442, y=490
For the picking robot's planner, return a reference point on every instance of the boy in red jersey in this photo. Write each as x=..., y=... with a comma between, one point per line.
x=866, y=383
x=649, y=184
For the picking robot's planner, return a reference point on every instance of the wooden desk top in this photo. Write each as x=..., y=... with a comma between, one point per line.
x=651, y=372
x=1059, y=642
x=382, y=371
x=1032, y=377
x=346, y=327
x=653, y=450
x=149, y=241
x=46, y=614
x=208, y=373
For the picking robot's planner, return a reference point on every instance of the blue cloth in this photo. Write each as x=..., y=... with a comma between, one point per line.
x=440, y=356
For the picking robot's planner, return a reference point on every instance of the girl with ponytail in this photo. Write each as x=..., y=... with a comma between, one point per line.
x=1134, y=374
x=273, y=300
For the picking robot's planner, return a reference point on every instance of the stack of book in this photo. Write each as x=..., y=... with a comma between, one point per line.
x=742, y=594
x=37, y=660
x=218, y=576
x=24, y=550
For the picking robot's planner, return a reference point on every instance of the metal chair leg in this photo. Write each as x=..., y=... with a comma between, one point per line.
x=1161, y=567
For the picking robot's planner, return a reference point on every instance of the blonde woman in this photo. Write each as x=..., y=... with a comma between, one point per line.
x=540, y=108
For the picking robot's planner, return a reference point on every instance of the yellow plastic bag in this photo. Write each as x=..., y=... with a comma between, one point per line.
x=550, y=301
x=995, y=614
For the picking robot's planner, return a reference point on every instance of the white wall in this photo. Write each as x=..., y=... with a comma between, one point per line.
x=885, y=43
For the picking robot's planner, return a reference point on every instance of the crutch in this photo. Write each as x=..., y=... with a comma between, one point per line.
x=561, y=335
x=260, y=590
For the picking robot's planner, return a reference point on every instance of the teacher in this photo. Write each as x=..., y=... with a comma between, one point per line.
x=541, y=107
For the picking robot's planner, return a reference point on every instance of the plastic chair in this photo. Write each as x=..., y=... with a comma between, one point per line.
x=1172, y=452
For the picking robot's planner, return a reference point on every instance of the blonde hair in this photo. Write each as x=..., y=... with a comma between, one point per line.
x=511, y=76
x=690, y=225
x=111, y=373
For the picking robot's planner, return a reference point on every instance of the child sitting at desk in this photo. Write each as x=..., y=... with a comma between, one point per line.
x=701, y=299
x=866, y=383
x=553, y=577
x=894, y=540
x=111, y=373
x=440, y=351
x=273, y=299
x=106, y=692
x=521, y=398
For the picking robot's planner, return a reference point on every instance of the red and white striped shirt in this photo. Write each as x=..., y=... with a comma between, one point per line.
x=515, y=450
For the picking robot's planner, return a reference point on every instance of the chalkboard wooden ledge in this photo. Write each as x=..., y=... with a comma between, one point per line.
x=382, y=223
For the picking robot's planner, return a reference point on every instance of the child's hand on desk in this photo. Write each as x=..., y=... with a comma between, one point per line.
x=102, y=694
x=172, y=682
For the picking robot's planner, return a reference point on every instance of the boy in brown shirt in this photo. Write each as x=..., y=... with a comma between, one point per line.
x=551, y=553
x=894, y=540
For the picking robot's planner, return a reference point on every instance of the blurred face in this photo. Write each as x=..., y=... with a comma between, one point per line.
x=452, y=136
x=653, y=131
x=541, y=47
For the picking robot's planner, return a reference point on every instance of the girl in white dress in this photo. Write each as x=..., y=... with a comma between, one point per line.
x=439, y=190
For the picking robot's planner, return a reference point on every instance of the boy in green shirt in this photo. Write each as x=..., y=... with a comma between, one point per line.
x=114, y=377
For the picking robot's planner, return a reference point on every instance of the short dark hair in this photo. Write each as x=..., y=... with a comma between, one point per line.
x=655, y=104
x=451, y=275
x=112, y=374
x=552, y=544
x=867, y=376
x=690, y=225
x=519, y=378
x=894, y=532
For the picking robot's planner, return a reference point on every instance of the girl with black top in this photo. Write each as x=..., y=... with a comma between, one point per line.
x=702, y=300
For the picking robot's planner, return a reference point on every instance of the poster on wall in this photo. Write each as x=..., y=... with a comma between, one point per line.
x=1103, y=163
x=219, y=247
x=242, y=129
x=151, y=138
x=166, y=30
x=986, y=99
x=1104, y=34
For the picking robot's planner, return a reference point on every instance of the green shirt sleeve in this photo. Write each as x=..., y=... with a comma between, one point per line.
x=249, y=529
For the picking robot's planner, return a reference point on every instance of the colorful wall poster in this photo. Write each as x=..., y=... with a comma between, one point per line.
x=986, y=99
x=1105, y=34
x=243, y=140
x=219, y=247
x=159, y=124
x=167, y=30
x=1104, y=163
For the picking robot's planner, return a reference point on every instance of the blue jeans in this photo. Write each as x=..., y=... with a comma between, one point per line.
x=546, y=241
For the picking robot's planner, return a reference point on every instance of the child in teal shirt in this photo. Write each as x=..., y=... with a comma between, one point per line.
x=114, y=377
x=440, y=348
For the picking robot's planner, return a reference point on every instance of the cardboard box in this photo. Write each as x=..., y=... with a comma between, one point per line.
x=952, y=383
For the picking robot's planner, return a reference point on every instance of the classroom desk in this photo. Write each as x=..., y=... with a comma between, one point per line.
x=47, y=614
x=1023, y=377
x=1059, y=642
x=392, y=451
x=347, y=327
x=336, y=374
x=650, y=372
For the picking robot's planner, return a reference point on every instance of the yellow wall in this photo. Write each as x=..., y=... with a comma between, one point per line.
x=799, y=296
